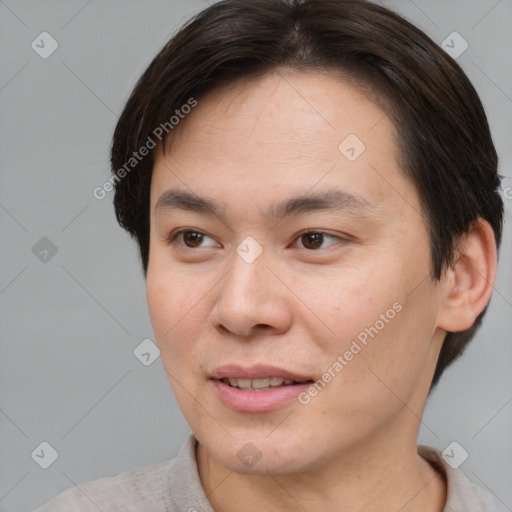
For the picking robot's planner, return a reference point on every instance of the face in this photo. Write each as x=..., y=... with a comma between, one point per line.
x=286, y=245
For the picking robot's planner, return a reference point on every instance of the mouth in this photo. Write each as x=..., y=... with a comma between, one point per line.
x=260, y=384
x=257, y=388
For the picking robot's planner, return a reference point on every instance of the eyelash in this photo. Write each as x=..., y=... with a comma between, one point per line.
x=172, y=239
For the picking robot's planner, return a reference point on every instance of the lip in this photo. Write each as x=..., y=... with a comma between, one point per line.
x=233, y=371
x=256, y=401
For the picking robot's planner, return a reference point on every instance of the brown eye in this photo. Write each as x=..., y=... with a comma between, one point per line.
x=312, y=240
x=317, y=240
x=192, y=238
x=183, y=239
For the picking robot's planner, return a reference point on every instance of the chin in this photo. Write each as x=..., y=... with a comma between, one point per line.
x=263, y=453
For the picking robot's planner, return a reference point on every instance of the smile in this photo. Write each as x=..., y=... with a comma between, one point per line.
x=258, y=384
x=255, y=389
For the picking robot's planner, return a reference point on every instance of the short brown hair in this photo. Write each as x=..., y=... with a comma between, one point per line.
x=444, y=139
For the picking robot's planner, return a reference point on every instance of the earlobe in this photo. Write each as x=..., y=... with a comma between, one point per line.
x=469, y=282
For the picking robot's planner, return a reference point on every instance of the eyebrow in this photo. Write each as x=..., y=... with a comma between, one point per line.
x=332, y=199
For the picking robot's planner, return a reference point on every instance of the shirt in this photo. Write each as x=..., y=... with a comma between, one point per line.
x=174, y=486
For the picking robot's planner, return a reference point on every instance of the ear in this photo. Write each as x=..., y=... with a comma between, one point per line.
x=469, y=282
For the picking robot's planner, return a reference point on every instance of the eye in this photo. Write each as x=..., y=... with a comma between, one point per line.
x=193, y=239
x=189, y=238
x=314, y=240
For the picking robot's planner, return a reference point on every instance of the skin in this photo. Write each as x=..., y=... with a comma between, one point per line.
x=353, y=446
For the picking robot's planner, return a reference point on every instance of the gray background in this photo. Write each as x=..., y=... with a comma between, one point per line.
x=69, y=325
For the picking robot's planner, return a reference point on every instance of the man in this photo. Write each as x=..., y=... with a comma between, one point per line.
x=314, y=191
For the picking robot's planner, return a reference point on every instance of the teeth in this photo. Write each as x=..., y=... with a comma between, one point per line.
x=243, y=383
x=260, y=383
x=267, y=383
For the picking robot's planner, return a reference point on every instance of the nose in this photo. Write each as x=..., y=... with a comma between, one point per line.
x=252, y=298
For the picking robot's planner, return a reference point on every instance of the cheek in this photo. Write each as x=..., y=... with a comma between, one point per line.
x=177, y=319
x=176, y=309
x=352, y=302
x=164, y=305
x=385, y=361
x=378, y=328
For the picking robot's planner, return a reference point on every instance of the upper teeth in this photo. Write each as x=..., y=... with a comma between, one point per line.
x=258, y=383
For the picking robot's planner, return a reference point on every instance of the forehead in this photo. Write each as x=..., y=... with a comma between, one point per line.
x=305, y=108
x=284, y=130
